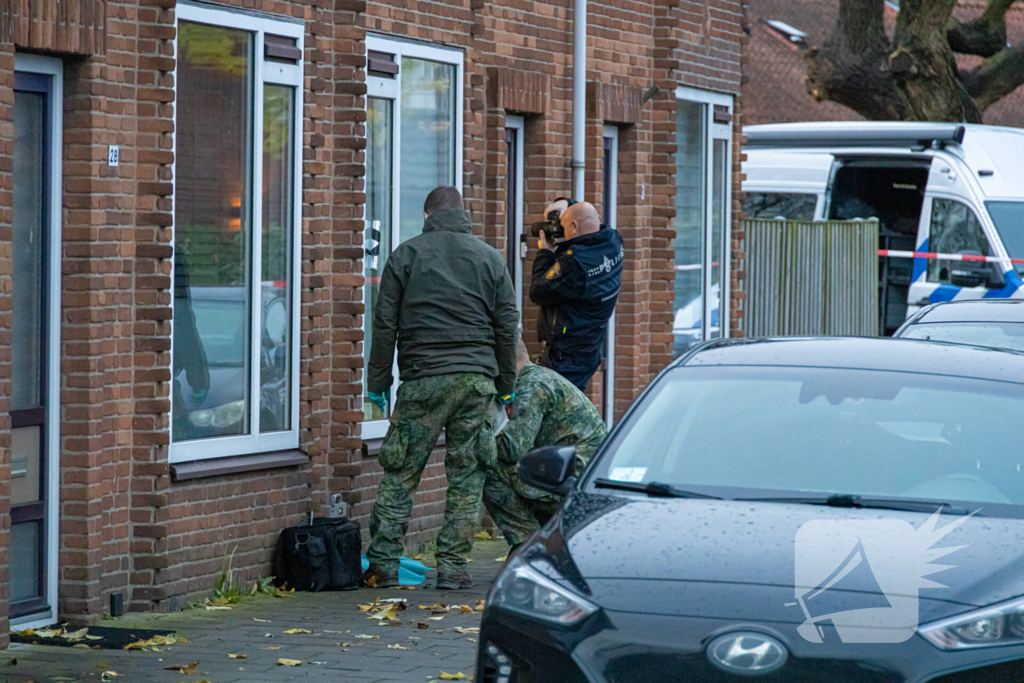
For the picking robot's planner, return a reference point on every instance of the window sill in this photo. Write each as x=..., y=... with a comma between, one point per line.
x=201, y=469
x=371, y=447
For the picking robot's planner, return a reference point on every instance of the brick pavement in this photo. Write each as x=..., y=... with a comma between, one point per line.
x=332, y=618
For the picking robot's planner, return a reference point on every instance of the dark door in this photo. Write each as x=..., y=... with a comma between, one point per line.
x=29, y=535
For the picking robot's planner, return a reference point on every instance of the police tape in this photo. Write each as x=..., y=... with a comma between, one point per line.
x=931, y=255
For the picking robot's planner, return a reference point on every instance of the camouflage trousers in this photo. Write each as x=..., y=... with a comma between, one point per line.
x=461, y=404
x=517, y=509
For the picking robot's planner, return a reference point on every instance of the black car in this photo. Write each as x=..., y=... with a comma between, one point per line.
x=824, y=510
x=996, y=323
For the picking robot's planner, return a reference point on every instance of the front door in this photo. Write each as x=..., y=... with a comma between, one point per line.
x=36, y=169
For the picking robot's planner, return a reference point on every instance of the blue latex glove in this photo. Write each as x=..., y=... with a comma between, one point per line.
x=506, y=399
x=379, y=400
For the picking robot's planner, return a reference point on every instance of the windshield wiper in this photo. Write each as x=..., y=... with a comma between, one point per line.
x=844, y=500
x=653, y=488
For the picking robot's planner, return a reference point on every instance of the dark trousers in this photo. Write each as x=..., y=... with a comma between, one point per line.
x=576, y=369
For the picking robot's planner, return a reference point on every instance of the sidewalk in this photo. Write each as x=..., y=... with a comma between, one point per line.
x=332, y=651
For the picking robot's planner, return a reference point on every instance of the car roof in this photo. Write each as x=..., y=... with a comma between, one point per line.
x=894, y=355
x=977, y=310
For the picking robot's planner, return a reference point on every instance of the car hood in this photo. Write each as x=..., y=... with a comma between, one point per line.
x=729, y=558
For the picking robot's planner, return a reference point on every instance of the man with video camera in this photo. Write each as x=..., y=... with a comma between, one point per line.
x=576, y=279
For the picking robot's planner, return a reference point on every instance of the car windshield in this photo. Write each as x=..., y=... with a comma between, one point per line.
x=1009, y=220
x=994, y=335
x=745, y=431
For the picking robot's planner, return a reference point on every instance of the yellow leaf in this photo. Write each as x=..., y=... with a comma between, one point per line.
x=276, y=647
x=183, y=668
x=466, y=609
x=262, y=621
x=81, y=646
x=387, y=613
x=363, y=636
x=289, y=662
x=469, y=559
x=296, y=630
x=480, y=605
x=483, y=536
x=418, y=557
x=88, y=637
x=503, y=558
x=435, y=618
x=405, y=588
x=454, y=677
x=76, y=635
x=474, y=629
x=372, y=582
x=238, y=656
x=108, y=676
x=396, y=646
x=47, y=633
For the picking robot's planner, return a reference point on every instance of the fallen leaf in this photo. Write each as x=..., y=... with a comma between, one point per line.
x=289, y=662
x=469, y=559
x=474, y=629
x=276, y=647
x=296, y=630
x=238, y=656
x=363, y=636
x=503, y=558
x=405, y=588
x=387, y=613
x=466, y=609
x=418, y=557
x=480, y=605
x=108, y=676
x=76, y=635
x=212, y=608
x=396, y=646
x=472, y=640
x=483, y=536
x=372, y=582
x=454, y=677
x=88, y=637
x=262, y=621
x=186, y=669
x=81, y=646
x=414, y=638
x=422, y=626
x=435, y=618
x=344, y=644
x=46, y=632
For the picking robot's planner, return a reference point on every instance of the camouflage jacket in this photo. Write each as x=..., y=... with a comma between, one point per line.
x=549, y=411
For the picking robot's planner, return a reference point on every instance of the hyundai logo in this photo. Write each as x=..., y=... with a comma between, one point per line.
x=747, y=654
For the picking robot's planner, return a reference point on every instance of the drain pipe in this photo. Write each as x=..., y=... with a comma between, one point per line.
x=579, y=97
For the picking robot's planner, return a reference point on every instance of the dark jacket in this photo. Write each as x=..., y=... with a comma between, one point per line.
x=448, y=301
x=576, y=287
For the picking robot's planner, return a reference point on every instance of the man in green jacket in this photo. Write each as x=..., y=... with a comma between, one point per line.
x=447, y=299
x=548, y=411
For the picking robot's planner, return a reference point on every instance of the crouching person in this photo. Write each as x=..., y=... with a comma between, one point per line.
x=548, y=411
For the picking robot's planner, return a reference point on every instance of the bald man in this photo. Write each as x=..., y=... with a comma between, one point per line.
x=576, y=283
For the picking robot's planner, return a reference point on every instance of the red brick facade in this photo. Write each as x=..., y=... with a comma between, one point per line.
x=126, y=526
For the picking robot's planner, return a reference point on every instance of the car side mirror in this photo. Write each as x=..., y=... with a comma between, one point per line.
x=971, y=273
x=550, y=468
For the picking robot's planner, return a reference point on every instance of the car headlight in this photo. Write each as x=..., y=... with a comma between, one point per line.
x=221, y=416
x=521, y=588
x=1001, y=624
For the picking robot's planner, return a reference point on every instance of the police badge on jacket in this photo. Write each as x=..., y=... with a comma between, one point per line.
x=576, y=283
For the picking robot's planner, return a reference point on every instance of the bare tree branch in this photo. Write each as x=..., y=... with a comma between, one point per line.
x=986, y=35
x=997, y=77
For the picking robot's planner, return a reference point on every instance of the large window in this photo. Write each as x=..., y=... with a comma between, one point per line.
x=236, y=217
x=703, y=191
x=414, y=144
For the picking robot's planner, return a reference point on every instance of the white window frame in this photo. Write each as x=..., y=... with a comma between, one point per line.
x=519, y=124
x=611, y=132
x=390, y=88
x=715, y=131
x=53, y=67
x=264, y=73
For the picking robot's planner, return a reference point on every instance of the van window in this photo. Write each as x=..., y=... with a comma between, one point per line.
x=954, y=230
x=788, y=205
x=1009, y=220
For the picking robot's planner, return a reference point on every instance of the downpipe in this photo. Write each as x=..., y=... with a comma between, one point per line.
x=579, y=98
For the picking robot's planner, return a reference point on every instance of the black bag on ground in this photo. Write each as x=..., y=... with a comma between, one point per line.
x=322, y=556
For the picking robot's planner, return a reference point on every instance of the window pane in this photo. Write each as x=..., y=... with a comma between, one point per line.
x=29, y=217
x=719, y=184
x=954, y=229
x=213, y=195
x=278, y=228
x=689, y=242
x=428, y=137
x=26, y=577
x=378, y=216
x=26, y=465
x=793, y=207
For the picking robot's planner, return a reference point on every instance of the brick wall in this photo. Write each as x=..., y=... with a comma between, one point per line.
x=6, y=203
x=126, y=527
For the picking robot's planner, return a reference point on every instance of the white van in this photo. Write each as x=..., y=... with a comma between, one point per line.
x=949, y=199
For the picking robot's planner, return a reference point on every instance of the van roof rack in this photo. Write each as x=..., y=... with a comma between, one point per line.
x=919, y=135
